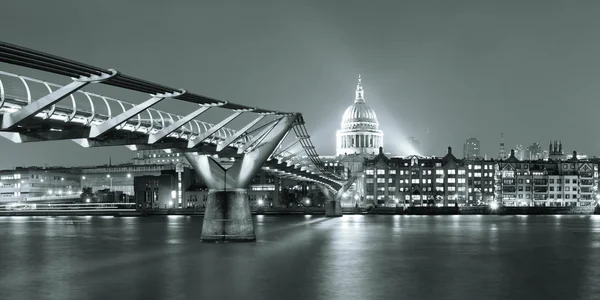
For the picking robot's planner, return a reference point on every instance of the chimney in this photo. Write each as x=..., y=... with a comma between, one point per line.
x=380, y=150
x=575, y=154
x=512, y=152
x=449, y=150
x=560, y=147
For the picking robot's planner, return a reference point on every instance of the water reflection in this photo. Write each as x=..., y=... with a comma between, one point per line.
x=303, y=257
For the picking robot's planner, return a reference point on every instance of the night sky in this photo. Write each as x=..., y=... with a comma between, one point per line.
x=442, y=71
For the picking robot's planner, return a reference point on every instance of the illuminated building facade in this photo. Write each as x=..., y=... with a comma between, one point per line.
x=426, y=181
x=38, y=183
x=567, y=182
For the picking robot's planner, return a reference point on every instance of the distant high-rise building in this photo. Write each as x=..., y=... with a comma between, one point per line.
x=502, y=153
x=519, y=152
x=471, y=149
x=534, y=152
x=555, y=151
x=415, y=146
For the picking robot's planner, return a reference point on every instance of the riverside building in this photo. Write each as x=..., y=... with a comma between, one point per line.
x=564, y=182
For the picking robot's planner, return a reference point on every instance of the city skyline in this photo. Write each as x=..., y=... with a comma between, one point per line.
x=441, y=83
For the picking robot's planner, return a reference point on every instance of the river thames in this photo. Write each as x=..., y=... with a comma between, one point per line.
x=303, y=257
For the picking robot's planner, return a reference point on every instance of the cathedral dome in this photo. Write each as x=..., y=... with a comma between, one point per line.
x=359, y=115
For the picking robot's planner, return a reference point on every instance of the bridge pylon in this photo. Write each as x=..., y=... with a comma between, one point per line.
x=333, y=205
x=227, y=215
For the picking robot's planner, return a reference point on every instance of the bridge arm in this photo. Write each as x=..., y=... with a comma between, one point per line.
x=12, y=120
x=111, y=123
x=333, y=206
x=203, y=136
x=176, y=125
x=238, y=134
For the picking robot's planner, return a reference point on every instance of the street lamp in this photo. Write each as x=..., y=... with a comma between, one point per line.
x=109, y=178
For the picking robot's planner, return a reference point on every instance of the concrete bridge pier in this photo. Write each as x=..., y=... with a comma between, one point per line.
x=333, y=205
x=227, y=216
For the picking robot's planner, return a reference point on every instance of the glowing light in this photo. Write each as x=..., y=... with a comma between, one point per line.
x=356, y=198
x=307, y=201
x=107, y=175
x=260, y=202
x=173, y=194
x=82, y=177
x=170, y=203
x=87, y=200
x=494, y=205
x=128, y=175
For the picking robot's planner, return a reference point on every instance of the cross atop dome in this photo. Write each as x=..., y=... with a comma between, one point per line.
x=360, y=93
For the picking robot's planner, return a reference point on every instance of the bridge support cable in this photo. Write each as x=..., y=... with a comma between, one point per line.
x=176, y=125
x=12, y=120
x=227, y=215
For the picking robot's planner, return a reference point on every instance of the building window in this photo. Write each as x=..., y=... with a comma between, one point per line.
x=392, y=172
x=415, y=181
x=451, y=180
x=461, y=172
x=380, y=172
x=369, y=172
x=439, y=172
x=451, y=172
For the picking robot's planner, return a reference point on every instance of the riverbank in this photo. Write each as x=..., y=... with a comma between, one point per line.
x=467, y=210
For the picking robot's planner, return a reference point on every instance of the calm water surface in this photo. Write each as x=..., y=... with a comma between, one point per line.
x=303, y=257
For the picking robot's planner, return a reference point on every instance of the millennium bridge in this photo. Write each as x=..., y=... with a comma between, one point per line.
x=33, y=110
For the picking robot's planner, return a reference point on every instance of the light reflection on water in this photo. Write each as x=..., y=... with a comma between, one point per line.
x=303, y=257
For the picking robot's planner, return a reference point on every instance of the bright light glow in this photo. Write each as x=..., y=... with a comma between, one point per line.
x=494, y=205
x=107, y=175
x=82, y=177
x=87, y=200
x=173, y=194
x=260, y=202
x=49, y=192
x=128, y=175
x=170, y=203
x=63, y=179
x=356, y=197
x=307, y=201
x=439, y=205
